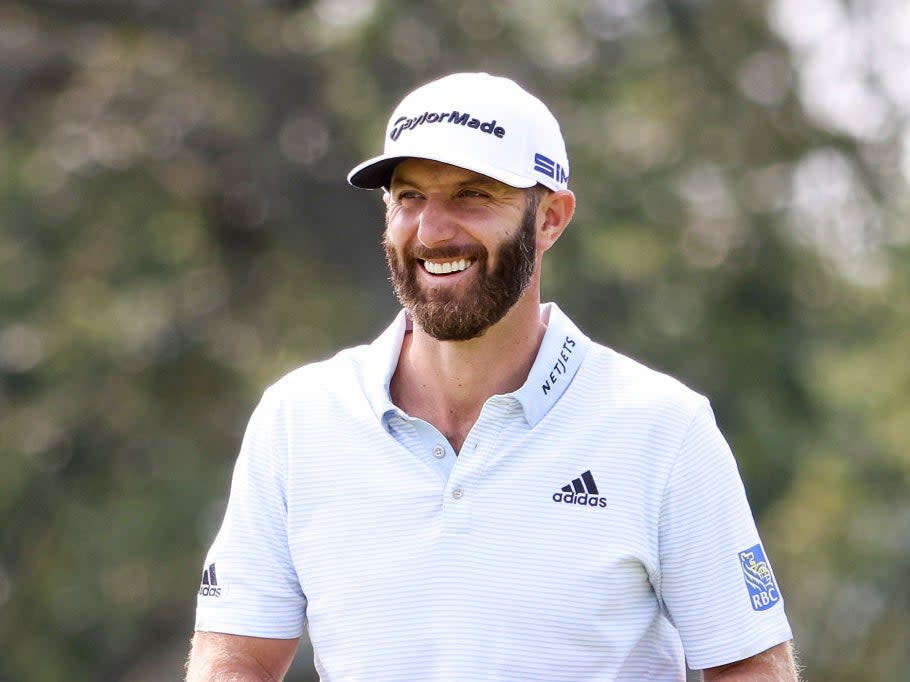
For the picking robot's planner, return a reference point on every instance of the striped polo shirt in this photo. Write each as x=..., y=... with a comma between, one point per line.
x=593, y=526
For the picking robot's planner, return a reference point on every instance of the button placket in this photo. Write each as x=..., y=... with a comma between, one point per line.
x=458, y=502
x=456, y=509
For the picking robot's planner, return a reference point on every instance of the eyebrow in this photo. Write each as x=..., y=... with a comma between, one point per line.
x=477, y=180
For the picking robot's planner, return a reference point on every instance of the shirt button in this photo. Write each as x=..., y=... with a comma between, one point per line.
x=439, y=452
x=458, y=493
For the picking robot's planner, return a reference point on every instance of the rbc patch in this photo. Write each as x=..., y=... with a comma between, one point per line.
x=763, y=590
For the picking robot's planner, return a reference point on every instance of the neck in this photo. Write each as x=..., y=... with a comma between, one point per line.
x=447, y=382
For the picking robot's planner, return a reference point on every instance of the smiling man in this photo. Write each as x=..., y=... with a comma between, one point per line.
x=443, y=310
x=484, y=493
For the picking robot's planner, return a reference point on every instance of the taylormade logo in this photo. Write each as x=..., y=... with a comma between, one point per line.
x=453, y=117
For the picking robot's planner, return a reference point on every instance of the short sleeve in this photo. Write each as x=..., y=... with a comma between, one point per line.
x=249, y=585
x=715, y=579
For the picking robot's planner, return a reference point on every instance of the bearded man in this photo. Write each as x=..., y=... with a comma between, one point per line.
x=484, y=493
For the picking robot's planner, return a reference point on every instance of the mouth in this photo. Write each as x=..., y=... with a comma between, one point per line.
x=447, y=267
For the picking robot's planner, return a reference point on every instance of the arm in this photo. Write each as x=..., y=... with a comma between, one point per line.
x=777, y=664
x=217, y=657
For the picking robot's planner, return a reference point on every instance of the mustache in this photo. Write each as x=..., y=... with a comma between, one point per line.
x=420, y=252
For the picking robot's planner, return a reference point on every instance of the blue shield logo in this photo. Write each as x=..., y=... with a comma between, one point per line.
x=763, y=591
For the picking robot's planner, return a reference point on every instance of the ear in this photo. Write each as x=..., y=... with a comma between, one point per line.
x=386, y=196
x=557, y=209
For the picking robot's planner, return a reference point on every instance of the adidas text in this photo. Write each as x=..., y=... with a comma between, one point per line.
x=209, y=586
x=580, y=498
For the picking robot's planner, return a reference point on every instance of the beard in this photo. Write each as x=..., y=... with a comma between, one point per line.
x=449, y=315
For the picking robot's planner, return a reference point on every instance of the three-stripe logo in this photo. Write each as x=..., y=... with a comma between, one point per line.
x=582, y=490
x=209, y=586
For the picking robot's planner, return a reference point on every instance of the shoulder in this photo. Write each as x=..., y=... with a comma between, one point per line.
x=618, y=377
x=330, y=386
x=314, y=396
x=342, y=372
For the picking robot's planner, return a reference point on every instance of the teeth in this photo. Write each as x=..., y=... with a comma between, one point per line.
x=447, y=267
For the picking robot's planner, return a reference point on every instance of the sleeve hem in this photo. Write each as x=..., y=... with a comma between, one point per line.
x=714, y=659
x=232, y=627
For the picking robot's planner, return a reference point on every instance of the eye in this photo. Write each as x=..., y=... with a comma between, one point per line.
x=468, y=193
x=407, y=195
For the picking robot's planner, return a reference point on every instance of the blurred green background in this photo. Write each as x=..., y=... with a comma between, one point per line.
x=176, y=233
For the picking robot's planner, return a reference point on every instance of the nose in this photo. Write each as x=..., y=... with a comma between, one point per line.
x=436, y=225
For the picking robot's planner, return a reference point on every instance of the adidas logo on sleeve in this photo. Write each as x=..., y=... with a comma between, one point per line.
x=583, y=491
x=209, y=586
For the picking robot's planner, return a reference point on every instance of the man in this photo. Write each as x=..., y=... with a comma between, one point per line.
x=483, y=493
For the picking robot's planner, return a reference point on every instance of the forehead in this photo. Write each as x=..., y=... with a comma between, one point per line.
x=419, y=172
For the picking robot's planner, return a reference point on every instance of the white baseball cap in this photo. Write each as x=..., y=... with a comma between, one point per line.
x=483, y=123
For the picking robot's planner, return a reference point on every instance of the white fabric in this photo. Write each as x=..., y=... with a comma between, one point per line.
x=488, y=124
x=409, y=564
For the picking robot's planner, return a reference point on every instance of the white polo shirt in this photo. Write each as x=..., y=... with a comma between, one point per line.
x=593, y=527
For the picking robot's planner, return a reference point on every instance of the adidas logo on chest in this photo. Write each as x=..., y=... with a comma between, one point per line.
x=581, y=491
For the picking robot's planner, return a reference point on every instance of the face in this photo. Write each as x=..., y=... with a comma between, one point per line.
x=460, y=248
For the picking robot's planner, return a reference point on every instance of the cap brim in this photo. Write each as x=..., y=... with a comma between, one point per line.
x=374, y=173
x=377, y=172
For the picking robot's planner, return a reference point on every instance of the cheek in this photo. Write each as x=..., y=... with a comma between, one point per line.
x=502, y=236
x=396, y=239
x=398, y=226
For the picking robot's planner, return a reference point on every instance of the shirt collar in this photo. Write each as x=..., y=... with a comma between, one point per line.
x=381, y=361
x=560, y=355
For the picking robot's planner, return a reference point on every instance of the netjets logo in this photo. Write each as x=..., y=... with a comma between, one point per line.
x=560, y=367
x=209, y=586
x=403, y=123
x=583, y=491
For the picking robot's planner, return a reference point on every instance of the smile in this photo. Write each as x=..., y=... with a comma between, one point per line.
x=448, y=266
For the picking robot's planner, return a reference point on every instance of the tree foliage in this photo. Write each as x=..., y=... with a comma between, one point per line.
x=176, y=233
